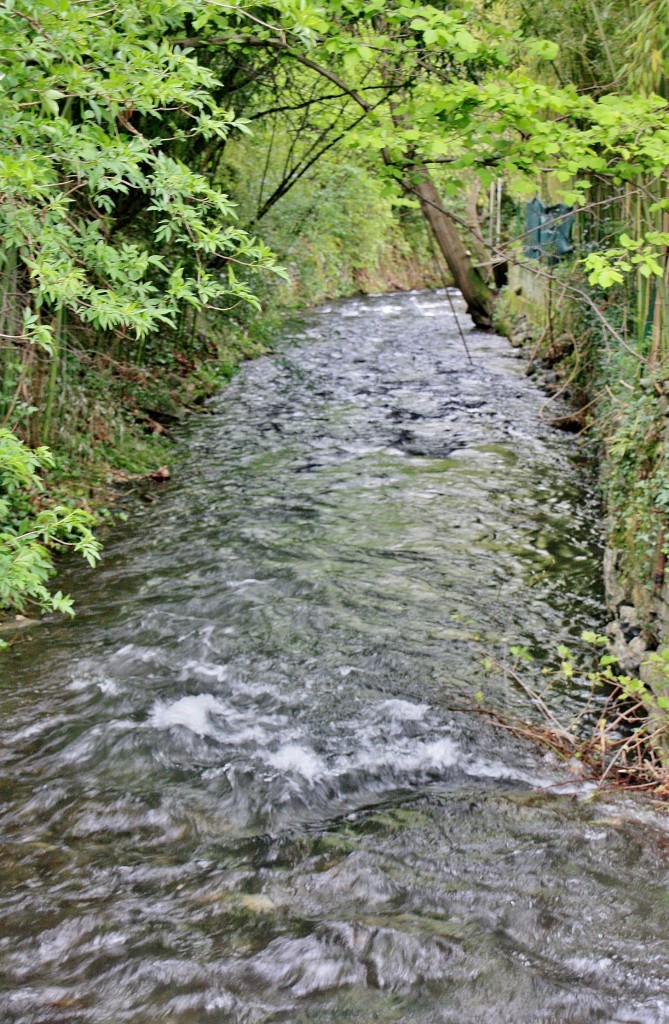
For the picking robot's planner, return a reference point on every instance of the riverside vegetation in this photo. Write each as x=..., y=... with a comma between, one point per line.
x=174, y=175
x=601, y=326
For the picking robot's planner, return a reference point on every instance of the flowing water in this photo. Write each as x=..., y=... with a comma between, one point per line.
x=235, y=788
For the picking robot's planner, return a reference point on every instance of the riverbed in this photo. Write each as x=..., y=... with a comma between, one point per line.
x=243, y=785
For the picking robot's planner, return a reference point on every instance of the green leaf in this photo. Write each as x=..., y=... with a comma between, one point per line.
x=545, y=49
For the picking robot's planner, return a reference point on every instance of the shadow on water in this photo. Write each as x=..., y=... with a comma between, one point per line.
x=233, y=787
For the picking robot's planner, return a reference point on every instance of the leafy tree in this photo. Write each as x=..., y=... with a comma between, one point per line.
x=93, y=102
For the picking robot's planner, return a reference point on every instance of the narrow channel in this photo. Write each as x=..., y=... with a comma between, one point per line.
x=235, y=789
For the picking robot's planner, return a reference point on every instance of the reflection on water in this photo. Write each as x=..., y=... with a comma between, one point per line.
x=234, y=788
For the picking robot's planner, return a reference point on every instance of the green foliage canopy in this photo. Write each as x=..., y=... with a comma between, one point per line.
x=91, y=99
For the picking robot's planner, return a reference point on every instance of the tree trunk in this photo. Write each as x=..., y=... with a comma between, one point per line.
x=467, y=278
x=36, y=365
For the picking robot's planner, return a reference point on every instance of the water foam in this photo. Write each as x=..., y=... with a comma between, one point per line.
x=405, y=710
x=292, y=757
x=193, y=713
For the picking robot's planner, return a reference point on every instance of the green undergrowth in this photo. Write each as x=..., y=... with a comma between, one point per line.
x=33, y=527
x=119, y=420
x=117, y=424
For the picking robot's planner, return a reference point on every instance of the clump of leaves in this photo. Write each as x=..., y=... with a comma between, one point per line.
x=30, y=538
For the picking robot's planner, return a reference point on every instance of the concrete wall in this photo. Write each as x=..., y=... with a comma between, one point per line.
x=528, y=293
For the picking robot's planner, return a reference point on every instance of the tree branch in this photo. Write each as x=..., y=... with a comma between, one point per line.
x=283, y=47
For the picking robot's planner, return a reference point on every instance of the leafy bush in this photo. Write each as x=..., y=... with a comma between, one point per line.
x=29, y=536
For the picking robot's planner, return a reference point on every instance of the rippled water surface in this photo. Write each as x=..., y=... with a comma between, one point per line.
x=235, y=789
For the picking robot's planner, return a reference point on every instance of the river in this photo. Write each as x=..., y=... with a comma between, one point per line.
x=237, y=788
